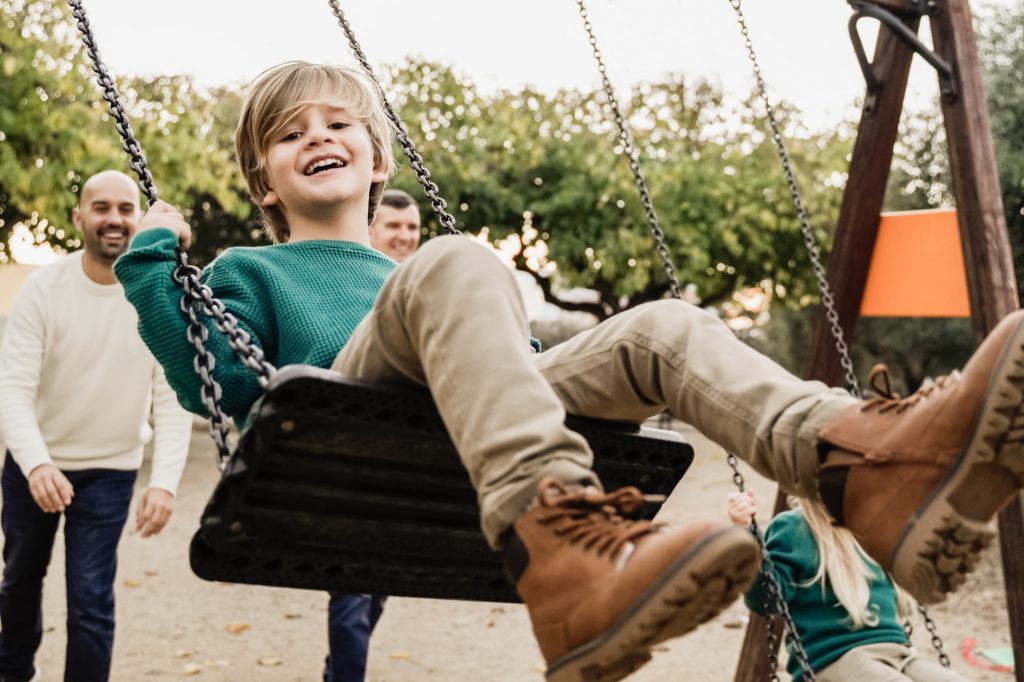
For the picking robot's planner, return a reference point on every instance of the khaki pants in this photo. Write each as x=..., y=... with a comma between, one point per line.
x=452, y=319
x=885, y=663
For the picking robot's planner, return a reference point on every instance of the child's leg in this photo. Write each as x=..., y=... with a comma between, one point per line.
x=601, y=590
x=917, y=480
x=451, y=318
x=920, y=670
x=868, y=663
x=672, y=354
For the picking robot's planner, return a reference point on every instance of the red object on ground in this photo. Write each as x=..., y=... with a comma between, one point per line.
x=967, y=649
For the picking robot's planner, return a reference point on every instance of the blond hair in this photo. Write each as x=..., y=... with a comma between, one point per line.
x=844, y=564
x=280, y=93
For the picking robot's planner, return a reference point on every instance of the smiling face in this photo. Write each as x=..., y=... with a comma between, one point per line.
x=395, y=232
x=107, y=215
x=321, y=158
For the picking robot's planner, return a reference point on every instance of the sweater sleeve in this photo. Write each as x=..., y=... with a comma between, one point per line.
x=783, y=544
x=145, y=271
x=172, y=427
x=21, y=361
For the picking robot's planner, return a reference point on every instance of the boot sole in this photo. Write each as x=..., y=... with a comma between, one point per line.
x=945, y=537
x=694, y=589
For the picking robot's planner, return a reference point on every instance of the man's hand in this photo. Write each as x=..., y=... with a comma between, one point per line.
x=162, y=214
x=742, y=508
x=154, y=511
x=51, y=490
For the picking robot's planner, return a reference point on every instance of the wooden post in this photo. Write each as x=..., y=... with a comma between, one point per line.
x=851, y=255
x=990, y=277
x=991, y=280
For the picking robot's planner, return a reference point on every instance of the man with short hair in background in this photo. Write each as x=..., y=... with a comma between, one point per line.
x=77, y=387
x=395, y=231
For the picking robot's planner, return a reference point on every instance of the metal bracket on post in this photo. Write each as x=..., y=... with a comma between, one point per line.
x=947, y=79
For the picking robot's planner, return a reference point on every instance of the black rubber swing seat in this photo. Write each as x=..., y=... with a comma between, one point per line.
x=340, y=484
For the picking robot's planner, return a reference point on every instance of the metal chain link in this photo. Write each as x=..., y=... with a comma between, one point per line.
x=805, y=224
x=819, y=270
x=430, y=188
x=937, y=644
x=625, y=139
x=775, y=605
x=197, y=298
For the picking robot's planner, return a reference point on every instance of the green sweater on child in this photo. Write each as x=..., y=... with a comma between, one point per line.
x=821, y=622
x=300, y=303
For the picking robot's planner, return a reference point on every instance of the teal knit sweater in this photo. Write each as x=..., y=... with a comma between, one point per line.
x=299, y=302
x=820, y=620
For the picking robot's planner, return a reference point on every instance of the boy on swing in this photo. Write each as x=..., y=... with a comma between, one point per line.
x=917, y=481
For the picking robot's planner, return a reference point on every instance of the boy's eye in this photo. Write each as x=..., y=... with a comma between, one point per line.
x=339, y=125
x=293, y=135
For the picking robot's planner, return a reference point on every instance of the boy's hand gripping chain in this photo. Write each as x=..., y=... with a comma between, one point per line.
x=197, y=300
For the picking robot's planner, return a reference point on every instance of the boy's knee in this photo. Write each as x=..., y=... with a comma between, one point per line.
x=453, y=254
x=671, y=313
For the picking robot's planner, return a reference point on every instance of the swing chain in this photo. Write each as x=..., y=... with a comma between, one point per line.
x=805, y=224
x=625, y=139
x=197, y=298
x=775, y=605
x=937, y=644
x=137, y=161
x=430, y=188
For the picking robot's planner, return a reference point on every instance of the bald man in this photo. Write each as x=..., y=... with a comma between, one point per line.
x=77, y=391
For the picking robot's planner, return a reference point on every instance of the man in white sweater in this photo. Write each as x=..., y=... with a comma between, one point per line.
x=77, y=389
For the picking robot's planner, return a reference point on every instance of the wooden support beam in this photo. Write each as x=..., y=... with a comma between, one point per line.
x=990, y=276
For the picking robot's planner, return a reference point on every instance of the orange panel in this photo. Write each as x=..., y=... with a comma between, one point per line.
x=917, y=269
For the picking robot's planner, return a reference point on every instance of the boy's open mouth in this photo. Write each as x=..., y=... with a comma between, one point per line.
x=324, y=163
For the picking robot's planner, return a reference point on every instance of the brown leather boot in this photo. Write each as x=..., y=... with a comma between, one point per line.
x=925, y=475
x=602, y=590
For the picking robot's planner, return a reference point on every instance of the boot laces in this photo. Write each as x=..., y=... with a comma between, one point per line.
x=596, y=521
x=883, y=398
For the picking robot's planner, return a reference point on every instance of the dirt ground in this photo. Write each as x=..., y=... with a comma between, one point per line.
x=172, y=625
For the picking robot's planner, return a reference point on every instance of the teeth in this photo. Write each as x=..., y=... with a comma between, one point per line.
x=324, y=163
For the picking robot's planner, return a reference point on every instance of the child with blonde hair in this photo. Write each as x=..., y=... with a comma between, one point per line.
x=846, y=610
x=601, y=588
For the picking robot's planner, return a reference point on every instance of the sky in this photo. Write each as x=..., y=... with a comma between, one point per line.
x=803, y=45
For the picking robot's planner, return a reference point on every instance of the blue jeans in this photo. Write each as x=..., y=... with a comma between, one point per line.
x=92, y=528
x=350, y=620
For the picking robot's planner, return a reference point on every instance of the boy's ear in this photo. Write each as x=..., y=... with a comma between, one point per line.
x=379, y=175
x=269, y=199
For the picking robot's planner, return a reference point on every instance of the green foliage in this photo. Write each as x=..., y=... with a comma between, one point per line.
x=713, y=176
x=502, y=160
x=1001, y=49
x=55, y=131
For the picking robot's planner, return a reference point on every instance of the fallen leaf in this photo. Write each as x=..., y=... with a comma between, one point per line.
x=497, y=609
x=659, y=648
x=490, y=624
x=191, y=669
x=400, y=655
x=183, y=653
x=152, y=573
x=540, y=668
x=219, y=663
x=293, y=616
x=269, y=662
x=236, y=628
x=132, y=583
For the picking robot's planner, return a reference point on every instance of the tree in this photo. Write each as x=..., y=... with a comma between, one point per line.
x=546, y=169
x=1001, y=50
x=55, y=131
